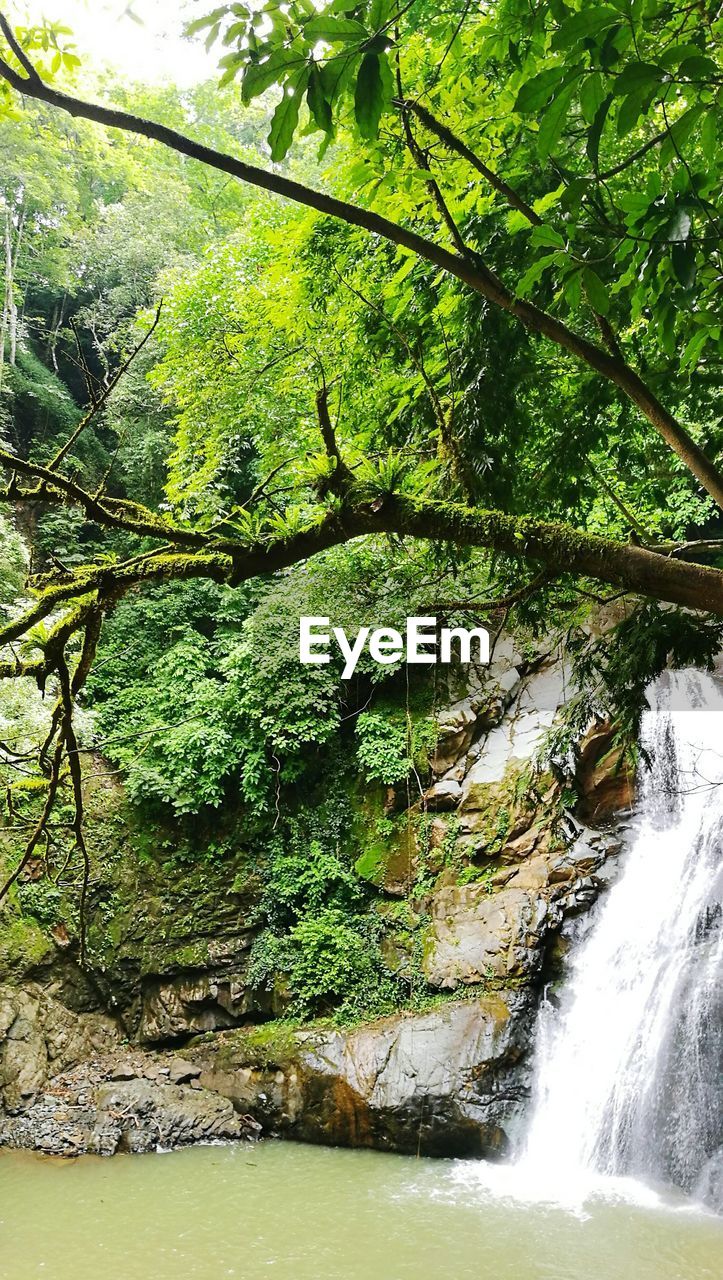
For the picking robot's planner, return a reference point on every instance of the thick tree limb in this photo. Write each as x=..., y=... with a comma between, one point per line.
x=470, y=270
x=555, y=547
x=113, y=513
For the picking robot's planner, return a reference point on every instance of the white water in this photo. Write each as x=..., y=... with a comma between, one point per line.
x=628, y=1068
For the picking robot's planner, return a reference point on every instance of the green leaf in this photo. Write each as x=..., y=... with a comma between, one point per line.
x=679, y=132
x=595, y=291
x=516, y=222
x=237, y=31
x=550, y=199
x=592, y=146
x=698, y=68
x=209, y=20
x=319, y=108
x=709, y=133
x=286, y=118
x=573, y=195
x=534, y=274
x=572, y=289
x=589, y=22
x=379, y=13
x=679, y=226
x=630, y=111
x=684, y=265
x=553, y=121
x=638, y=75
x=592, y=95
x=666, y=328
x=546, y=238
x=535, y=93
x=212, y=37
x=334, y=30
x=672, y=57
x=693, y=350
x=387, y=78
x=259, y=76
x=231, y=62
x=369, y=96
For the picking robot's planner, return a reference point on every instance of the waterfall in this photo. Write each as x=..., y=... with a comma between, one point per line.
x=627, y=1079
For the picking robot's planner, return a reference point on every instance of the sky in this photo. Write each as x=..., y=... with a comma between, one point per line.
x=149, y=49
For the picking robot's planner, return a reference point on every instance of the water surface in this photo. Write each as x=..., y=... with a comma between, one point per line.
x=313, y=1213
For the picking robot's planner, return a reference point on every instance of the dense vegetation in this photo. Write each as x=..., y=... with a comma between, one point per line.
x=477, y=376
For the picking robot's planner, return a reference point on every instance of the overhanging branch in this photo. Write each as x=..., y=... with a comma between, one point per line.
x=471, y=270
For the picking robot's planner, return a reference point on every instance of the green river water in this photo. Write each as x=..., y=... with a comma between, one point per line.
x=312, y=1213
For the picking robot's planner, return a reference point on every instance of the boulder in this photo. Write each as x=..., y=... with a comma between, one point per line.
x=446, y=1082
x=455, y=730
x=134, y=1116
x=444, y=794
x=40, y=1036
x=181, y=1072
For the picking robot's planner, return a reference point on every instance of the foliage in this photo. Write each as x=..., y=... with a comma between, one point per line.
x=613, y=671
x=317, y=940
x=390, y=743
x=570, y=151
x=41, y=901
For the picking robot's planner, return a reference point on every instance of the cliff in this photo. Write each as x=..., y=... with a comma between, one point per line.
x=467, y=880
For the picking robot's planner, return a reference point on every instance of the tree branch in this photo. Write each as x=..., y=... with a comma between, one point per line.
x=558, y=548
x=18, y=50
x=455, y=144
x=470, y=270
x=97, y=402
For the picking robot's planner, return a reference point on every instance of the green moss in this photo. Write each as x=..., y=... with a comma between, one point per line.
x=370, y=866
x=272, y=1044
x=23, y=947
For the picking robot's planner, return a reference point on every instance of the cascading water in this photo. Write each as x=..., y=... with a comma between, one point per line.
x=628, y=1068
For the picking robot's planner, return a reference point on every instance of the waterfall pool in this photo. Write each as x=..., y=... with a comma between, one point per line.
x=312, y=1213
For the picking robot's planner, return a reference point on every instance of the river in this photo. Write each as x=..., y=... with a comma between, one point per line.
x=312, y=1213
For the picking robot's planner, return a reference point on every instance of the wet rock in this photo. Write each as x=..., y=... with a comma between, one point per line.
x=709, y=1187
x=446, y=1082
x=605, y=779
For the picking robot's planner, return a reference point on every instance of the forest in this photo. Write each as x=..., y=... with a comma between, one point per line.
x=412, y=309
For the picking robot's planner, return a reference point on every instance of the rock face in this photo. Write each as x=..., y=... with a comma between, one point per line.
x=190, y=1004
x=439, y=1083
x=500, y=930
x=40, y=1037
x=606, y=781
x=506, y=869
x=68, y=1086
